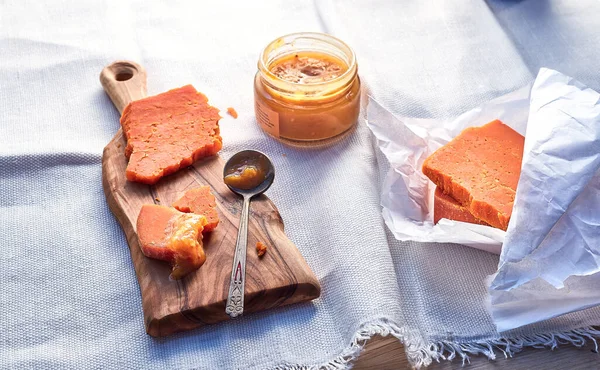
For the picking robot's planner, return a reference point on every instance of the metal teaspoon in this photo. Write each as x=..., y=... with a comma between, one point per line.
x=235, y=298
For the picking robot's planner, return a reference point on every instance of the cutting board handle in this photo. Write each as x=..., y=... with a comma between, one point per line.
x=124, y=81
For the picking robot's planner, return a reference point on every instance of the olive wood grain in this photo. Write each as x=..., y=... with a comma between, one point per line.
x=280, y=277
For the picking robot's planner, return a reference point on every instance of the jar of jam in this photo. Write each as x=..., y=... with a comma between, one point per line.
x=307, y=88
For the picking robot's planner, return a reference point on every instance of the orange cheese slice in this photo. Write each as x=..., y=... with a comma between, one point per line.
x=446, y=207
x=201, y=202
x=480, y=169
x=169, y=235
x=167, y=132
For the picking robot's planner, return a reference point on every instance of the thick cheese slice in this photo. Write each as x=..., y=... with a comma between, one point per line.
x=446, y=207
x=201, y=202
x=167, y=132
x=480, y=169
x=166, y=234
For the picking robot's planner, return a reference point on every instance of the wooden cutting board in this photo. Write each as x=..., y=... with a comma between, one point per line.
x=279, y=278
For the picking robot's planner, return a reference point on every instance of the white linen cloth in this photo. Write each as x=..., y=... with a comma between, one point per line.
x=69, y=297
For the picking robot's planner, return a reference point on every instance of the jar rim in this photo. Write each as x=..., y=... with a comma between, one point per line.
x=317, y=36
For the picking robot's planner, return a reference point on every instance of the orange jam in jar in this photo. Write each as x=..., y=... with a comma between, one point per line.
x=307, y=88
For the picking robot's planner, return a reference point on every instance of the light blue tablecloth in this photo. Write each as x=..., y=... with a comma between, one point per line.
x=69, y=297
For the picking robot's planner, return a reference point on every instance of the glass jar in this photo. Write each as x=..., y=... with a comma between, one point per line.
x=307, y=88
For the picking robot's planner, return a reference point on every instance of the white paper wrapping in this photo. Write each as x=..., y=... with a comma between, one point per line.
x=407, y=194
x=550, y=262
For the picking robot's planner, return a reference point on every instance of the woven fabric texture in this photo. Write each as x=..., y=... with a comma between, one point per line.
x=69, y=297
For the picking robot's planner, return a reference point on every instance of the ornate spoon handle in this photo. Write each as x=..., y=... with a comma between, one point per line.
x=235, y=299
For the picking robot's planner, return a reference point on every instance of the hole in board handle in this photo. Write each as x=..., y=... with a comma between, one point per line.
x=123, y=75
x=123, y=71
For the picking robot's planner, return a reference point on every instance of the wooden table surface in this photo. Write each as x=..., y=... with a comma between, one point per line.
x=387, y=353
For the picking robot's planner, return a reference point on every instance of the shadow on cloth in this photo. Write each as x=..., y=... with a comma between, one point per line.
x=553, y=35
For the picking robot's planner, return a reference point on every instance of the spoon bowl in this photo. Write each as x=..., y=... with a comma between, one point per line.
x=237, y=164
x=254, y=158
